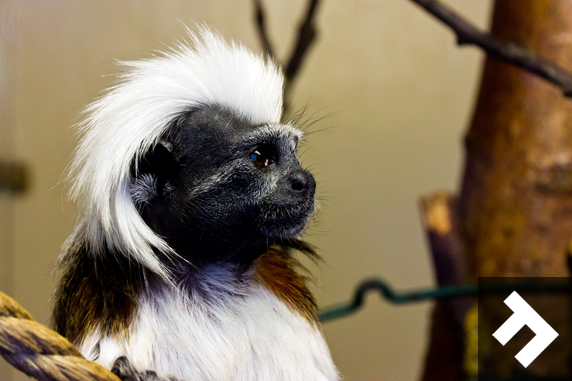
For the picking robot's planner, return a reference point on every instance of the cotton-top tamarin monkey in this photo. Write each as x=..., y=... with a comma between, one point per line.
x=191, y=198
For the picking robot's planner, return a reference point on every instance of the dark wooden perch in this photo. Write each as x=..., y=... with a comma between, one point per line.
x=444, y=359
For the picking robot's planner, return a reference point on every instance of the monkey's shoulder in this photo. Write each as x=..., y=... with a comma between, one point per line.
x=94, y=291
x=250, y=334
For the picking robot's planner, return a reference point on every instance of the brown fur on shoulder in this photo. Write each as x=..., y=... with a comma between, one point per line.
x=277, y=271
x=103, y=290
x=95, y=293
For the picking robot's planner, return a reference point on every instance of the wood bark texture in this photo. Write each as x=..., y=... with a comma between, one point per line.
x=444, y=359
x=515, y=205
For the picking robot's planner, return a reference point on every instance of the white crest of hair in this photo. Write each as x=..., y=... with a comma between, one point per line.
x=130, y=118
x=244, y=334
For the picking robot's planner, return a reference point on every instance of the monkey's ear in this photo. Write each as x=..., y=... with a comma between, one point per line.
x=159, y=162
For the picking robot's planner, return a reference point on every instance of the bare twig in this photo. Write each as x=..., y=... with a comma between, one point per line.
x=506, y=51
x=261, y=25
x=306, y=37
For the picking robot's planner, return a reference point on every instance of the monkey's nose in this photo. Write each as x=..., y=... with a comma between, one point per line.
x=300, y=180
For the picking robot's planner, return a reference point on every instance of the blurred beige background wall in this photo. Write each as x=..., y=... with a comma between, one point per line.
x=396, y=92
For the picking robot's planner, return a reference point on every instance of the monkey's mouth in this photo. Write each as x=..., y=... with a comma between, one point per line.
x=285, y=221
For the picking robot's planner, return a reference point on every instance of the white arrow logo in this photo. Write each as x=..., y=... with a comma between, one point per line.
x=525, y=315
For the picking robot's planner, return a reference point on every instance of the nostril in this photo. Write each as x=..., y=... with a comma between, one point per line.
x=298, y=181
x=298, y=184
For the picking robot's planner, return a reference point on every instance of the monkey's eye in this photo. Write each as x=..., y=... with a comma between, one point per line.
x=261, y=158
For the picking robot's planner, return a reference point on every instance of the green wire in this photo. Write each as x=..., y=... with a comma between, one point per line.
x=466, y=290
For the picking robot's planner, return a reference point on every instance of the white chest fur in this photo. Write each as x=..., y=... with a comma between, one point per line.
x=248, y=337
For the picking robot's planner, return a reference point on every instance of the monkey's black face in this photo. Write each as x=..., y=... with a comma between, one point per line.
x=219, y=188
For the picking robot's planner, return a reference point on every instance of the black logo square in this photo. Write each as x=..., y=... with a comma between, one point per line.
x=532, y=317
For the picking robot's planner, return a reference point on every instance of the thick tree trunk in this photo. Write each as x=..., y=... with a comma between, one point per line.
x=516, y=199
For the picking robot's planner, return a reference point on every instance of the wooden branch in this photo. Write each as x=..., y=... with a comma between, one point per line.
x=260, y=16
x=438, y=213
x=444, y=356
x=306, y=37
x=468, y=34
x=307, y=33
x=444, y=359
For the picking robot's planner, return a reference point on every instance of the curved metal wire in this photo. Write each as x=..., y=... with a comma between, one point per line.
x=400, y=297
